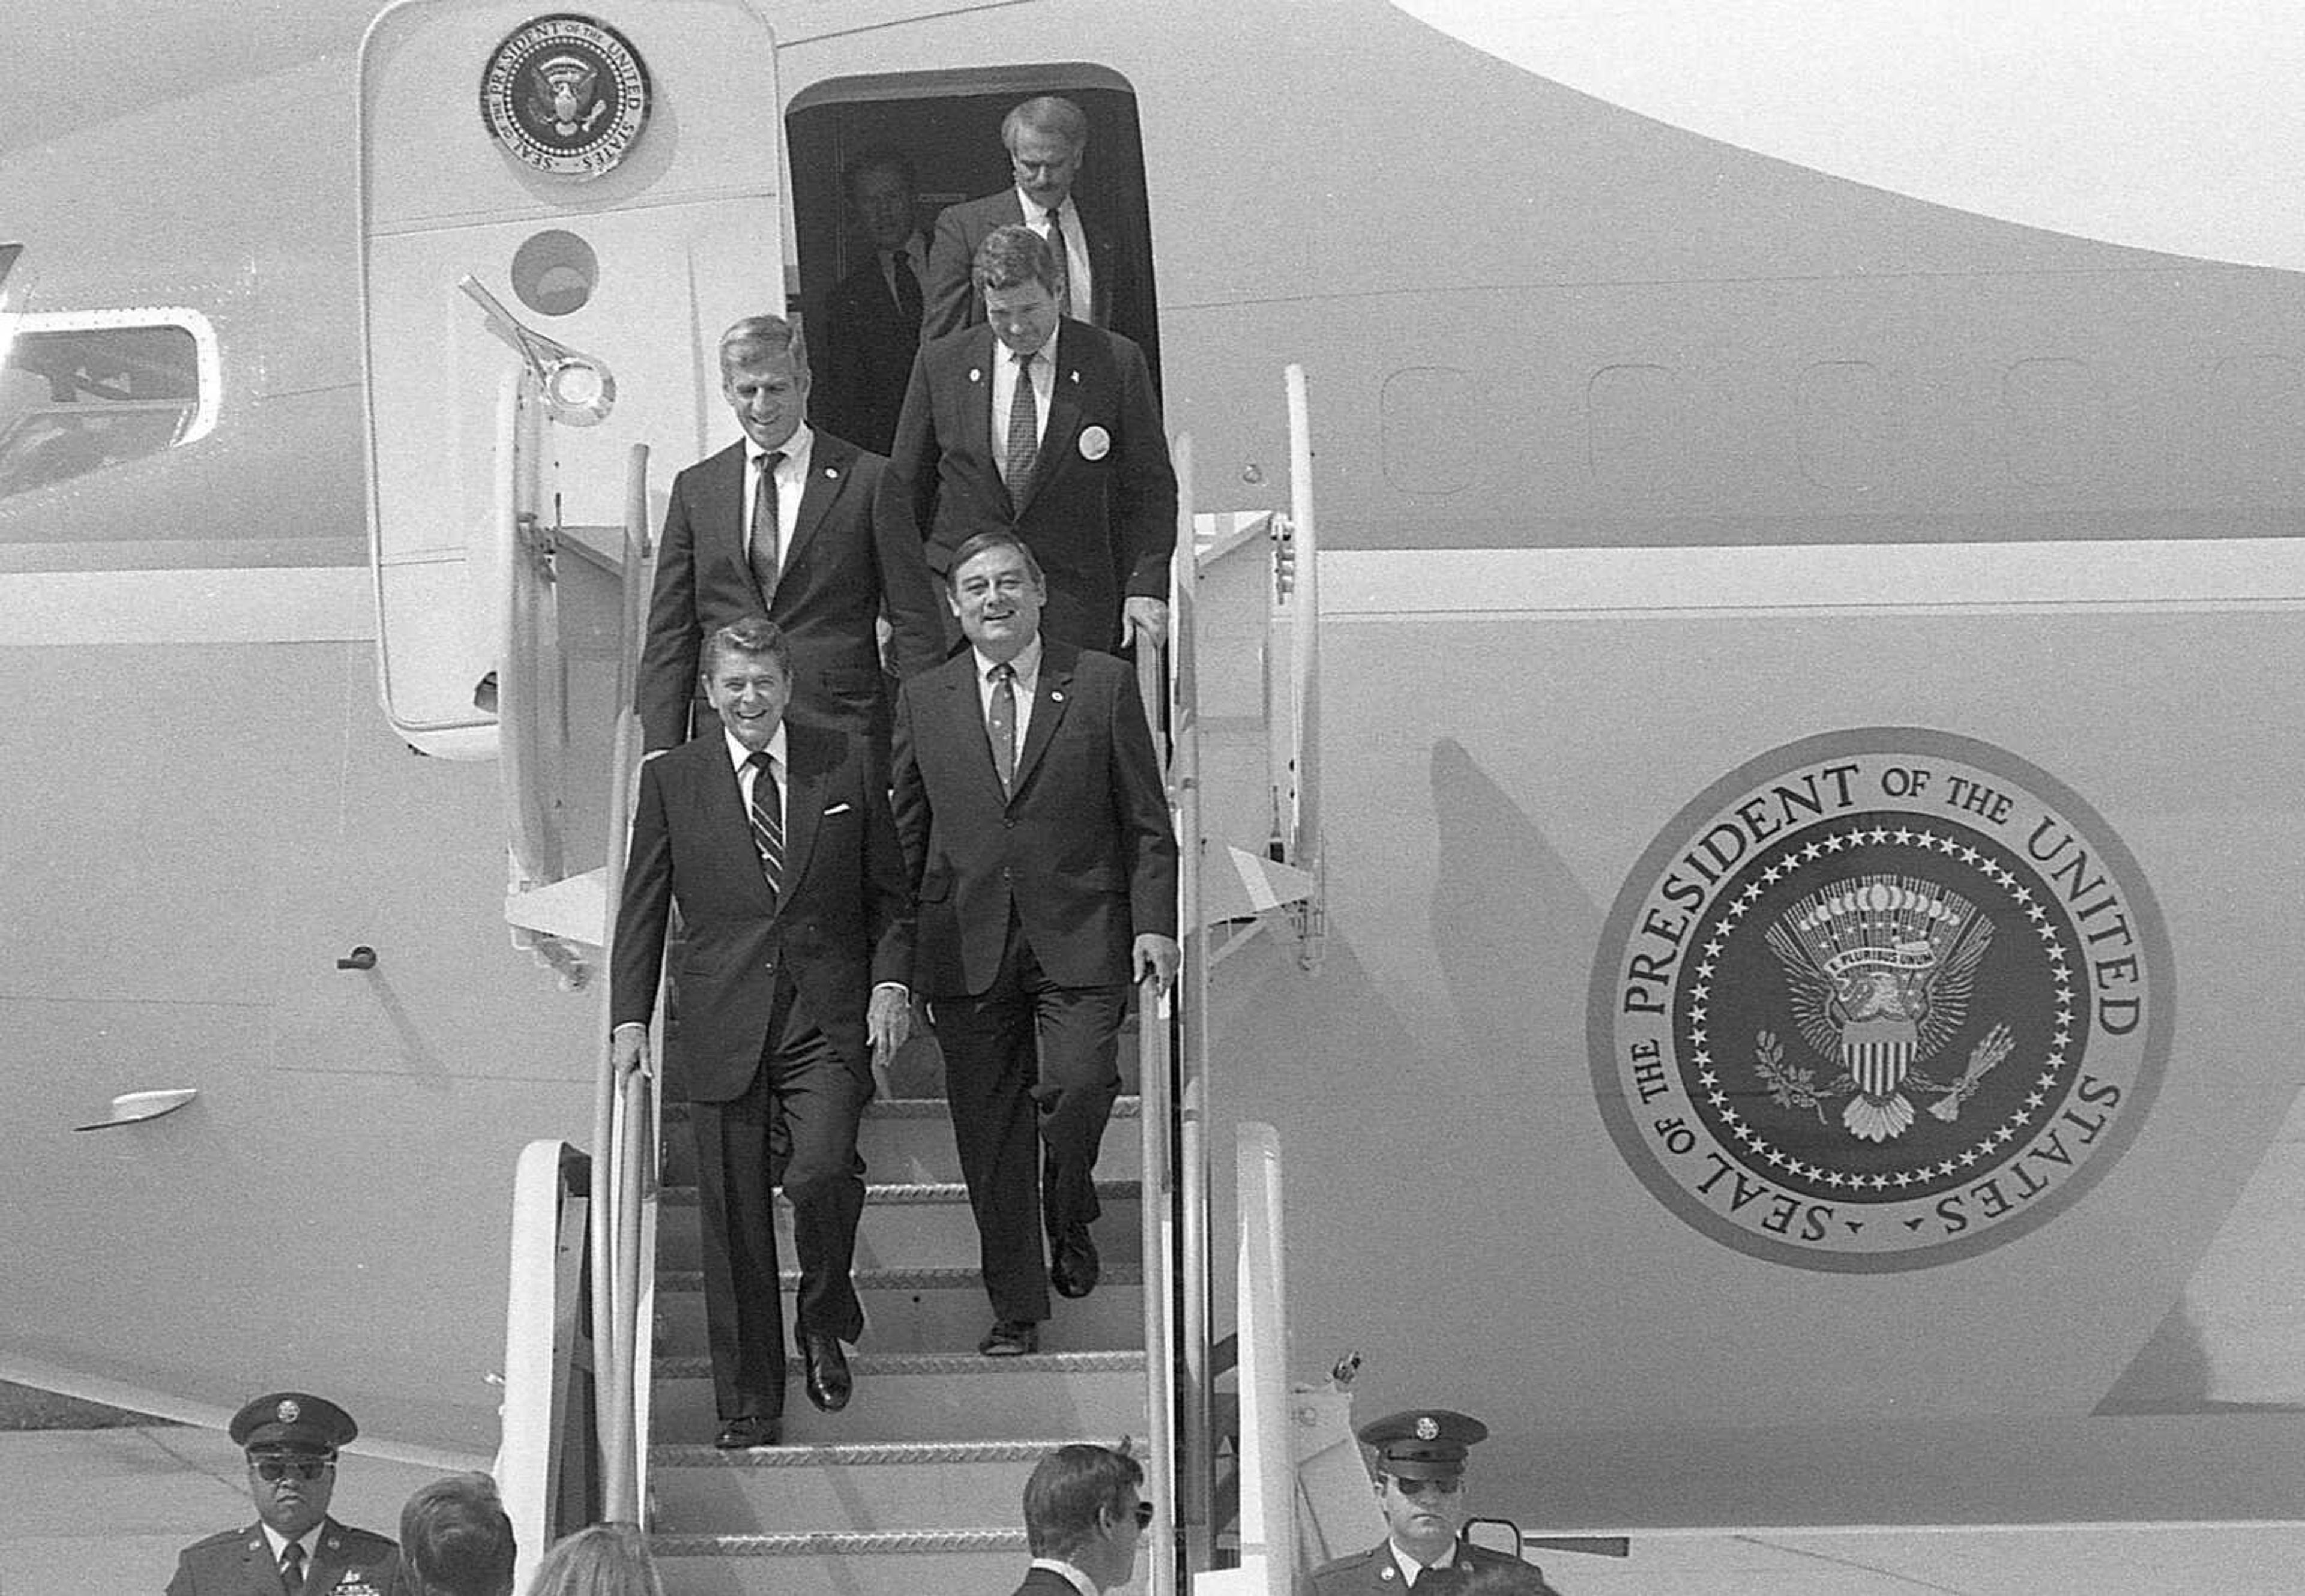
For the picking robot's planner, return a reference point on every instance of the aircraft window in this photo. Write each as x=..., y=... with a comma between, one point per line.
x=83, y=390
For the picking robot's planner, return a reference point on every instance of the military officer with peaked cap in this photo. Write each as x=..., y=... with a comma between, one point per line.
x=1419, y=1469
x=294, y=1549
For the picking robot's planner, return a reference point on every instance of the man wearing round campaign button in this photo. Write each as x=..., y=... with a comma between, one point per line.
x=1418, y=1462
x=294, y=1549
x=1880, y=999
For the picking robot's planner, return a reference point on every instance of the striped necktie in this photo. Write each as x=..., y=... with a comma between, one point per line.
x=1023, y=428
x=292, y=1568
x=767, y=822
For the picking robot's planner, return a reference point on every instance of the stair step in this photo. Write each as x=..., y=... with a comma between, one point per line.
x=928, y=1396
x=847, y=1488
x=913, y=1225
x=910, y=1139
x=928, y=1310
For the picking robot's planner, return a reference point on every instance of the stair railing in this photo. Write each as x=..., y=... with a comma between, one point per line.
x=624, y=1136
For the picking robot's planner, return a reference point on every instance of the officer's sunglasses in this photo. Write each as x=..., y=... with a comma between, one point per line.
x=273, y=1469
x=1408, y=1487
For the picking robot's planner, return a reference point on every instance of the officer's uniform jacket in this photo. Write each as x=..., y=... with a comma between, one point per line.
x=345, y=1562
x=1377, y=1572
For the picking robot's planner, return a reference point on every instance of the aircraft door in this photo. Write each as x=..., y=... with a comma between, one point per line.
x=612, y=180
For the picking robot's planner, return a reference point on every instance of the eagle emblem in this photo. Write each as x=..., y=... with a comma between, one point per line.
x=286, y=1412
x=1879, y=970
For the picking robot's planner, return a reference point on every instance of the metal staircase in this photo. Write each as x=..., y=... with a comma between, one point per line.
x=916, y=1485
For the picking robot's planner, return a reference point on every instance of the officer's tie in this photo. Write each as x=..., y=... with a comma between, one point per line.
x=1001, y=724
x=767, y=823
x=292, y=1568
x=1024, y=429
x=1064, y=263
x=761, y=547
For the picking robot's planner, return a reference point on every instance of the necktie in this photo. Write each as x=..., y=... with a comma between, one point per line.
x=908, y=290
x=1064, y=264
x=1001, y=724
x=767, y=822
x=761, y=547
x=1023, y=428
x=292, y=1568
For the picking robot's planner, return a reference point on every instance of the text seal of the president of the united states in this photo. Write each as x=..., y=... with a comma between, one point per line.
x=1879, y=1000
x=566, y=94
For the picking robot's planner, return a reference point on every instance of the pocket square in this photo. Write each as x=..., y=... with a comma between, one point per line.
x=837, y=809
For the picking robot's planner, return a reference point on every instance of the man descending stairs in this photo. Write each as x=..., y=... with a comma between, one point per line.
x=916, y=1485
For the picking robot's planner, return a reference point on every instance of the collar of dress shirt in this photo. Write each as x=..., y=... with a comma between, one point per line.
x=1080, y=1582
x=915, y=249
x=310, y=1541
x=1411, y=1569
x=796, y=451
x=738, y=754
x=1026, y=665
x=1066, y=211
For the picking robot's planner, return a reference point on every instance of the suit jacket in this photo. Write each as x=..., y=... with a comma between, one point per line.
x=835, y=575
x=1375, y=1573
x=842, y=921
x=1082, y=847
x=345, y=1562
x=1121, y=291
x=1100, y=513
x=860, y=352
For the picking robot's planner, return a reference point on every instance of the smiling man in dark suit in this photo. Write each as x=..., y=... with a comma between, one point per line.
x=781, y=524
x=775, y=840
x=1029, y=802
x=1047, y=428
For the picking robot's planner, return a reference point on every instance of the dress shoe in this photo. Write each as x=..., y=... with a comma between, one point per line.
x=829, y=1382
x=749, y=1429
x=1074, y=1269
x=1010, y=1339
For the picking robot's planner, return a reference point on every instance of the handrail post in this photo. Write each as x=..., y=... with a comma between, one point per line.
x=1303, y=655
x=615, y=1205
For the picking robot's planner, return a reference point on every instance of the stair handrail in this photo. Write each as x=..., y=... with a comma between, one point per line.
x=1188, y=1347
x=1303, y=632
x=623, y=1140
x=1268, y=1461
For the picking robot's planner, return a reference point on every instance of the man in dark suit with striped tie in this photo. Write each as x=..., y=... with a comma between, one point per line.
x=1036, y=829
x=775, y=840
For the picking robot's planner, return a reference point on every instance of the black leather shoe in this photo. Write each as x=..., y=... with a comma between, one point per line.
x=829, y=1381
x=1075, y=1268
x=1010, y=1339
x=752, y=1430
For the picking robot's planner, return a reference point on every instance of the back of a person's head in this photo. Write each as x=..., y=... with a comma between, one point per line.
x=607, y=1560
x=456, y=1541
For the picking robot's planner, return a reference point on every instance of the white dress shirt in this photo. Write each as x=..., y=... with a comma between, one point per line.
x=1080, y=1582
x=1004, y=392
x=1080, y=282
x=1411, y=1570
x=792, y=481
x=1028, y=666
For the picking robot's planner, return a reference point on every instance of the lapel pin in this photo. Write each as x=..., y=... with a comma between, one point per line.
x=1055, y=697
x=974, y=375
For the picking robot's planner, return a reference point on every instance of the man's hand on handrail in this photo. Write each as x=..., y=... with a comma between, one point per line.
x=628, y=1050
x=887, y=1021
x=1144, y=620
x=1157, y=956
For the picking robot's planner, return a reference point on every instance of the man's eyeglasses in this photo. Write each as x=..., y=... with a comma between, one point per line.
x=273, y=1469
x=1143, y=1514
x=1449, y=1487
